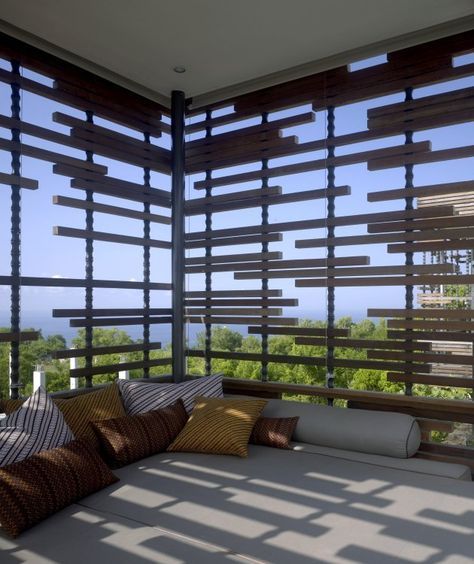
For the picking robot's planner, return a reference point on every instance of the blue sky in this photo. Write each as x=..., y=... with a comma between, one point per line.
x=46, y=255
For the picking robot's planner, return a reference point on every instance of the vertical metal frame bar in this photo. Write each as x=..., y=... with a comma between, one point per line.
x=146, y=268
x=15, y=239
x=264, y=366
x=331, y=212
x=177, y=238
x=89, y=271
x=208, y=327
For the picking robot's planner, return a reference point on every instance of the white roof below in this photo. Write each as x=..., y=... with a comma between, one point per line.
x=222, y=43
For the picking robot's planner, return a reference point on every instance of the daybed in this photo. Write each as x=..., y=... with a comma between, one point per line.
x=348, y=491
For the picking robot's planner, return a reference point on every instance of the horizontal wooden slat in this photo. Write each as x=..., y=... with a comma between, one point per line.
x=428, y=324
x=124, y=154
x=434, y=357
x=423, y=102
x=432, y=336
x=307, y=331
x=421, y=224
x=361, y=343
x=112, y=349
x=233, y=294
x=431, y=380
x=421, y=191
x=105, y=369
x=50, y=156
x=70, y=121
x=278, y=264
x=259, y=357
x=461, y=244
x=16, y=180
x=413, y=113
x=442, y=409
x=112, y=321
x=215, y=310
x=110, y=237
x=323, y=223
x=421, y=158
x=142, y=194
x=232, y=197
x=215, y=320
x=235, y=258
x=451, y=450
x=81, y=283
x=118, y=184
x=266, y=302
x=460, y=235
x=205, y=147
x=228, y=241
x=334, y=272
x=422, y=313
x=313, y=165
x=423, y=279
x=106, y=312
x=105, y=110
x=428, y=425
x=291, y=198
x=111, y=210
x=22, y=336
x=291, y=121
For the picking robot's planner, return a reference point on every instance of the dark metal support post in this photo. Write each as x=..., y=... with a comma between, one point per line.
x=15, y=239
x=409, y=300
x=177, y=252
x=331, y=212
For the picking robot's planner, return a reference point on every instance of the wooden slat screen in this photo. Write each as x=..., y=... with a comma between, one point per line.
x=102, y=121
x=410, y=239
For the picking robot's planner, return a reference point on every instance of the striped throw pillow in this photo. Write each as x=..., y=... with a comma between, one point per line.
x=38, y=425
x=41, y=485
x=273, y=431
x=134, y=437
x=80, y=410
x=140, y=397
x=219, y=426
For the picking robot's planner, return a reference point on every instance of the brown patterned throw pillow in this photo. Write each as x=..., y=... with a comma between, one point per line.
x=273, y=431
x=41, y=485
x=133, y=437
x=219, y=426
x=81, y=410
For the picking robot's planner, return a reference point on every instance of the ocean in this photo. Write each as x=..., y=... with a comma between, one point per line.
x=162, y=333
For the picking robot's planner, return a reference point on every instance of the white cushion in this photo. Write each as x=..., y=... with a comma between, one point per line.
x=37, y=425
x=140, y=397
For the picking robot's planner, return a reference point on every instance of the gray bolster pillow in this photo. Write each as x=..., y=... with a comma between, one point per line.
x=374, y=432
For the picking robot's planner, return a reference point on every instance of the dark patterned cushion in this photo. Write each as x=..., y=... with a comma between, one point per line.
x=140, y=397
x=131, y=438
x=81, y=410
x=41, y=485
x=37, y=425
x=273, y=431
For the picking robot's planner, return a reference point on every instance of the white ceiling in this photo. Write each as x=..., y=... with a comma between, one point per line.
x=221, y=43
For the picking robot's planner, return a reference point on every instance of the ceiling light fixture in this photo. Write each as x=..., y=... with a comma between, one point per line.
x=179, y=70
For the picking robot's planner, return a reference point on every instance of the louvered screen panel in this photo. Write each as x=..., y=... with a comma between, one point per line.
x=348, y=187
x=105, y=154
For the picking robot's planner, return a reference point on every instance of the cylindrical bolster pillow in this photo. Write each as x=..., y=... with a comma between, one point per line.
x=375, y=432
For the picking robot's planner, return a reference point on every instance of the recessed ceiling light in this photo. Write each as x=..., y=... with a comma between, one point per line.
x=179, y=70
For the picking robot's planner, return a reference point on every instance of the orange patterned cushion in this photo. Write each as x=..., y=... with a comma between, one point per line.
x=41, y=485
x=219, y=426
x=133, y=437
x=273, y=431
